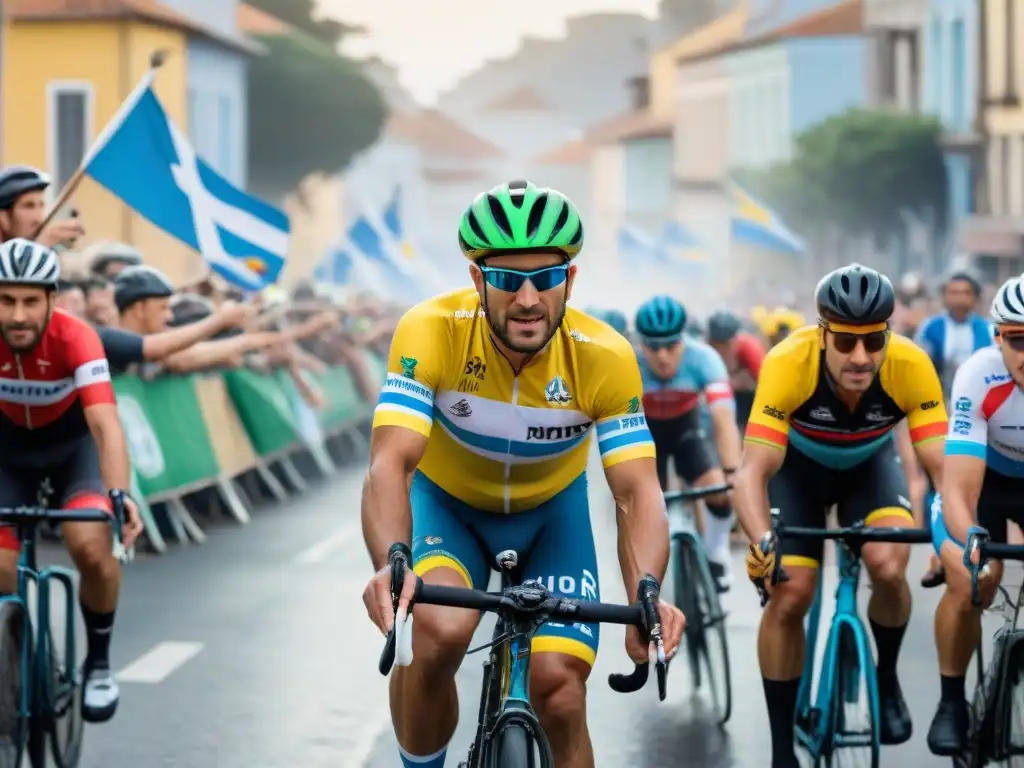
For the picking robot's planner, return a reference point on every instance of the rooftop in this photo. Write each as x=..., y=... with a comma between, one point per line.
x=845, y=18
x=436, y=133
x=120, y=10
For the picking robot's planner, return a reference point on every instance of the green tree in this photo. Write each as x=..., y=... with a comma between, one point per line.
x=310, y=109
x=860, y=172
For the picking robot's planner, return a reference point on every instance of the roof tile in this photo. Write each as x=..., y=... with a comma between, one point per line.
x=253, y=21
x=434, y=132
x=524, y=99
x=845, y=18
x=110, y=10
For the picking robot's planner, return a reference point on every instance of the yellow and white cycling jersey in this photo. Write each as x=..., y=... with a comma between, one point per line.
x=508, y=443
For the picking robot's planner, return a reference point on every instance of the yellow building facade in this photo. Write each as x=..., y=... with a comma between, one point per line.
x=62, y=78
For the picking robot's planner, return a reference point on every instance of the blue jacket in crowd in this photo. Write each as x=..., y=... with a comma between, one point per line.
x=936, y=336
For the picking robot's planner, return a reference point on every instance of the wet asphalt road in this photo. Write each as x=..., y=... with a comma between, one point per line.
x=253, y=651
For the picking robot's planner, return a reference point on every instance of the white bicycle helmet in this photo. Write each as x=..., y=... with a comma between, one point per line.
x=1008, y=304
x=24, y=262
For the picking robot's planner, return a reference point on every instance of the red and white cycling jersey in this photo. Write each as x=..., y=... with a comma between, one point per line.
x=43, y=392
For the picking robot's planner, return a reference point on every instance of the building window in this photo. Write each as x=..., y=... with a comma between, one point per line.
x=69, y=127
x=958, y=54
x=224, y=136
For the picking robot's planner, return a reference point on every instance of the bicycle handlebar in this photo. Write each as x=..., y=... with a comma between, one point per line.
x=858, y=532
x=692, y=494
x=39, y=515
x=533, y=599
x=978, y=542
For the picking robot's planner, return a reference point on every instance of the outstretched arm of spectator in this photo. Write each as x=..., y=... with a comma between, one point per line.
x=309, y=392
x=158, y=346
x=210, y=354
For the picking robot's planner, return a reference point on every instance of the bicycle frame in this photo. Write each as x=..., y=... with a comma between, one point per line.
x=37, y=698
x=814, y=724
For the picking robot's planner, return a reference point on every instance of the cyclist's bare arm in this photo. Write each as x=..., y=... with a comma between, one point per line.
x=931, y=456
x=395, y=452
x=105, y=426
x=750, y=487
x=963, y=477
x=643, y=541
x=727, y=436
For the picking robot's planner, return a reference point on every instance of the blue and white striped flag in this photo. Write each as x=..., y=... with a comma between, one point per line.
x=144, y=159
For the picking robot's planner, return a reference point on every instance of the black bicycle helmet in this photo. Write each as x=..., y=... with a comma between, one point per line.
x=139, y=283
x=856, y=295
x=16, y=180
x=722, y=326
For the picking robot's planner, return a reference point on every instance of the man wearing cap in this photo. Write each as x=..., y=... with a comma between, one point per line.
x=108, y=259
x=23, y=208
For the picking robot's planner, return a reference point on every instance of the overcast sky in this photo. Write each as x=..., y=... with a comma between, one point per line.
x=434, y=42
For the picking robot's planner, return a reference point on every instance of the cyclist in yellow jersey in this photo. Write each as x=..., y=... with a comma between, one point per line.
x=480, y=444
x=827, y=399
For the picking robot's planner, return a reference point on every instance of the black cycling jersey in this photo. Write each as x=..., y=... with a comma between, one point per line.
x=121, y=347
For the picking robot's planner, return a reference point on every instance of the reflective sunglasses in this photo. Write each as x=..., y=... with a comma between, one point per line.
x=656, y=344
x=845, y=343
x=1015, y=340
x=511, y=280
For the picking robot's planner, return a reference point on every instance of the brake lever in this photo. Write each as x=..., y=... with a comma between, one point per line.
x=976, y=539
x=648, y=591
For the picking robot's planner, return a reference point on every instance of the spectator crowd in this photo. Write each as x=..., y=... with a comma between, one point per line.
x=150, y=327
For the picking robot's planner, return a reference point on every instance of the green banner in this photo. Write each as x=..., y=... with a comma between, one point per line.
x=167, y=437
x=344, y=403
x=265, y=409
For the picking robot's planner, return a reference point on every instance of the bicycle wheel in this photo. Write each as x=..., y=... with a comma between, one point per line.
x=13, y=725
x=64, y=700
x=514, y=749
x=686, y=601
x=854, y=703
x=710, y=649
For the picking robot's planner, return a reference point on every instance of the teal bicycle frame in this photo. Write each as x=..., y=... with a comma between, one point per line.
x=42, y=702
x=819, y=726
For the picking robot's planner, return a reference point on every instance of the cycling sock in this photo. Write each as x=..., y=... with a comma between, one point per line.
x=717, y=527
x=780, y=695
x=98, y=627
x=435, y=760
x=888, y=641
x=953, y=688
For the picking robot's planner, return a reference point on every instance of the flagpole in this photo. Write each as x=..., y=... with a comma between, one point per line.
x=156, y=60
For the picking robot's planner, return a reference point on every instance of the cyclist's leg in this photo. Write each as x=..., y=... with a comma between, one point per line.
x=563, y=557
x=424, y=701
x=17, y=488
x=697, y=463
x=77, y=485
x=875, y=491
x=957, y=621
x=800, y=491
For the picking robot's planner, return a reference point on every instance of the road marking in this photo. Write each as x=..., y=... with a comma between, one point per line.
x=159, y=662
x=320, y=551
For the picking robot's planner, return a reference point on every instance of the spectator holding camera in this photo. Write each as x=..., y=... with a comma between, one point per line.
x=23, y=209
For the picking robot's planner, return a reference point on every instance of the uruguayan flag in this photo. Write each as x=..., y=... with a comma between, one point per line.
x=144, y=159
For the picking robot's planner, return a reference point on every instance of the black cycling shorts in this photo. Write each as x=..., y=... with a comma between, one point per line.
x=684, y=442
x=68, y=481
x=803, y=490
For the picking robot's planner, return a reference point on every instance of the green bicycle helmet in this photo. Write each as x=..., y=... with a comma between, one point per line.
x=519, y=217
